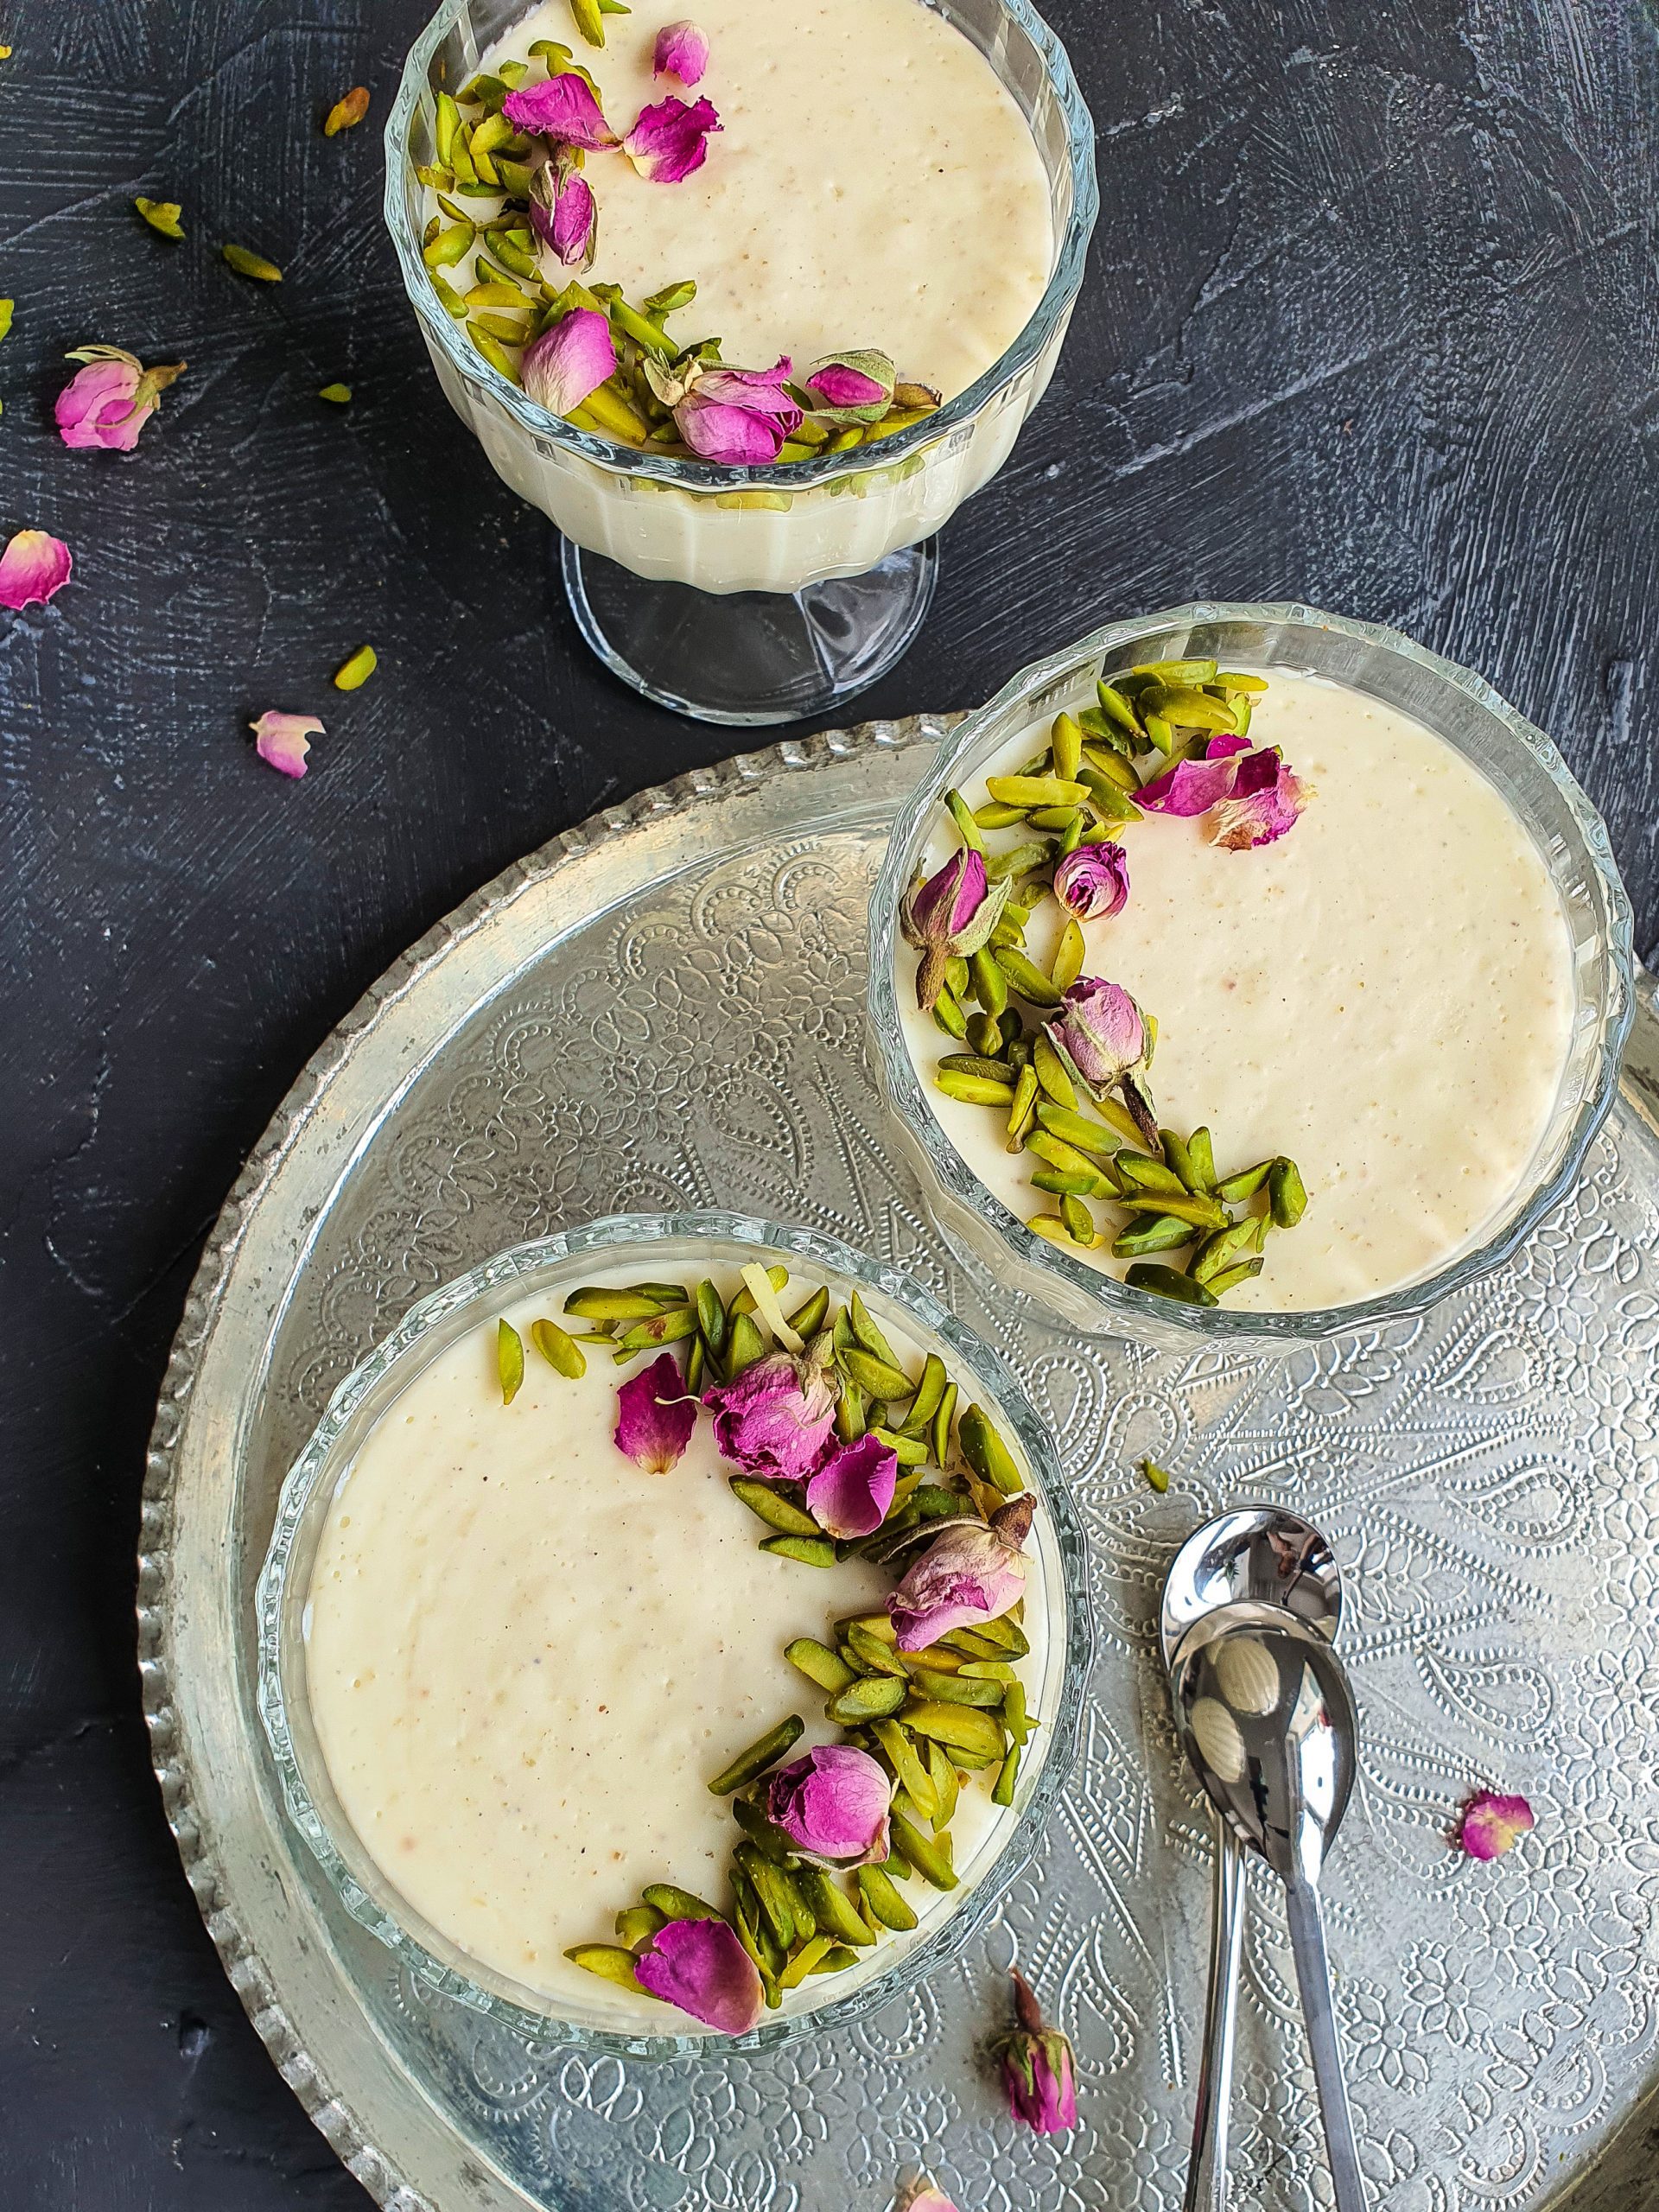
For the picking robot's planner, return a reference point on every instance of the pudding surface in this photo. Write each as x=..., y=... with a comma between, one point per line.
x=1385, y=995
x=872, y=184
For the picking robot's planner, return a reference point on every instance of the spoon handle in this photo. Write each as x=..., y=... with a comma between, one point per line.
x=1313, y=1979
x=1206, y=2172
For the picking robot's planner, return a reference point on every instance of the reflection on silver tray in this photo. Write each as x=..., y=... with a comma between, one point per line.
x=665, y=1007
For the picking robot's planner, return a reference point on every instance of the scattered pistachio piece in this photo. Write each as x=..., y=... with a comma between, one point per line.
x=353, y=674
x=346, y=111
x=162, y=215
x=1157, y=1479
x=339, y=395
x=509, y=1360
x=246, y=263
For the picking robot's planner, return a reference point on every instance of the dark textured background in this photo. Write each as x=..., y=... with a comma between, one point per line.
x=1371, y=321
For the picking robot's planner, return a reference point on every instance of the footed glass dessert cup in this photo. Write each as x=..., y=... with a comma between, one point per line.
x=549, y=1268
x=749, y=595
x=1457, y=707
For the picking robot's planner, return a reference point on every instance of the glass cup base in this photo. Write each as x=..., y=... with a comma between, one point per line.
x=750, y=658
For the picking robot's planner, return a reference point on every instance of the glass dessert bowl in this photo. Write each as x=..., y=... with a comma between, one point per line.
x=515, y=1621
x=1327, y=977
x=740, y=593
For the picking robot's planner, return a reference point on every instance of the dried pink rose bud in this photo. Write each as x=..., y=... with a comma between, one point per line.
x=701, y=1966
x=966, y=1575
x=1093, y=882
x=852, y=1491
x=1038, y=2071
x=739, y=415
x=669, y=140
x=655, y=1416
x=851, y=387
x=108, y=403
x=1265, y=801
x=951, y=916
x=775, y=1420
x=34, y=565
x=562, y=108
x=832, y=1805
x=682, y=51
x=1103, y=1037
x=282, y=741
x=1491, y=1825
x=1194, y=786
x=563, y=212
x=568, y=361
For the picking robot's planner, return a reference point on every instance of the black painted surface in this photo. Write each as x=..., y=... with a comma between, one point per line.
x=1370, y=321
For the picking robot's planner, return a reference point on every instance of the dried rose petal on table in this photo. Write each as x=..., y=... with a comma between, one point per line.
x=34, y=566
x=282, y=741
x=109, y=401
x=1491, y=1824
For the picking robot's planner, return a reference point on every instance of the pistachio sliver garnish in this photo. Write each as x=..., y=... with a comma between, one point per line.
x=987, y=1454
x=767, y=1504
x=1287, y=1194
x=770, y=1842
x=1058, y=1184
x=956, y=1689
x=509, y=1360
x=1021, y=860
x=976, y=1063
x=946, y=1413
x=819, y=1664
x=994, y=816
x=909, y=1451
x=874, y=1656
x=871, y=1698
x=753, y=1762
x=597, y=1304
x=807, y=1960
x=246, y=263
x=908, y=1766
x=1203, y=1212
x=711, y=1316
x=806, y=1551
x=1139, y=1174
x=1163, y=1233
x=676, y=1904
x=1069, y=955
x=832, y=1908
x=876, y=1377
x=875, y=1886
x=1036, y=791
x=1175, y=671
x=1230, y=1278
x=660, y=1329
x=558, y=1349
x=1077, y=1221
x=162, y=215
x=1168, y=1282
x=1022, y=1109
x=609, y=1960
x=959, y=1726
x=807, y=1319
x=927, y=1854
x=638, y=1923
x=1226, y=1246
x=775, y=1893
x=1025, y=976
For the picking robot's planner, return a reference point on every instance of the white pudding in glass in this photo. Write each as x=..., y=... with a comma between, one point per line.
x=873, y=184
x=1385, y=995
x=525, y=1659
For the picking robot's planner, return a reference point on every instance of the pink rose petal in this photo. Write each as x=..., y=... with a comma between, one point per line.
x=1093, y=882
x=1194, y=786
x=682, y=52
x=851, y=1492
x=775, y=1420
x=701, y=1966
x=739, y=415
x=34, y=565
x=562, y=108
x=282, y=741
x=568, y=361
x=669, y=140
x=655, y=1416
x=1491, y=1824
x=1264, y=802
x=832, y=1804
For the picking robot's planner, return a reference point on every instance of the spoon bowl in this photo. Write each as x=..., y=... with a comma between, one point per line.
x=1258, y=1554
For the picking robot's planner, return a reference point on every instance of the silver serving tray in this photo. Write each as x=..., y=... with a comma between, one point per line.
x=665, y=1006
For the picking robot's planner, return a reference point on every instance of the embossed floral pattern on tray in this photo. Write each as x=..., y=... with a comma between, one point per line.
x=1489, y=1475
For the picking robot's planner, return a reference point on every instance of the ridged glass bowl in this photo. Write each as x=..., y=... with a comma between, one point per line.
x=665, y=1242
x=787, y=530
x=1460, y=707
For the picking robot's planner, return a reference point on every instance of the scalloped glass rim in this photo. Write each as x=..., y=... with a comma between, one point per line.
x=1131, y=1313
x=488, y=1280
x=442, y=330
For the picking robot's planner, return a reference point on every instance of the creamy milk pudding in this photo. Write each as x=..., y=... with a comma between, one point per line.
x=872, y=183
x=1378, y=992
x=527, y=1656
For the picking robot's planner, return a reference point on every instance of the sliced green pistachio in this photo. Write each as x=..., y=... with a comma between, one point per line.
x=509, y=1360
x=590, y=19
x=1077, y=1130
x=1157, y=1478
x=909, y=1451
x=489, y=347
x=1190, y=710
x=1233, y=1190
x=338, y=395
x=637, y=1924
x=711, y=1316
x=873, y=1654
x=1049, y=1227
x=352, y=675
x=990, y=984
x=1035, y=790
x=1287, y=1194
x=948, y=1014
x=909, y=1766
x=1226, y=1246
x=1167, y=1282
x=1005, y=1632
x=1230, y=1278
x=994, y=816
x=1007, y=1774
x=597, y=1304
x=819, y=1664
x=661, y=1329
x=984, y=1450
x=1059, y=1185
x=885, y=1905
x=784, y=1911
x=1176, y=671
x=1014, y=1711
x=943, y=1417
x=808, y=1319
x=1117, y=710
x=1234, y=682
x=696, y=1361
x=609, y=1960
x=558, y=1349
x=1055, y=1150
x=806, y=1551
x=448, y=299
x=962, y=814
x=1022, y=1109
x=954, y=1690
x=850, y=1422
x=1059, y=818
x=929, y=1855
x=1020, y=860
x=767, y=1504
x=1066, y=742
x=1052, y=1074
x=1138, y=1173
x=446, y=128
x=769, y=1841
x=1201, y=1158
x=1069, y=955
x=1078, y=1222
x=976, y=1063
x=871, y=1698
x=1161, y=732
x=761, y=1754
x=162, y=215
x=832, y=1908
x=246, y=263
x=676, y=1904
x=1108, y=797
x=1160, y=1233
x=961, y=1727
x=744, y=1345
x=810, y=1955
x=744, y=1301
x=876, y=1378
x=1025, y=976
x=1203, y=1212
x=346, y=112
x=943, y=1776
